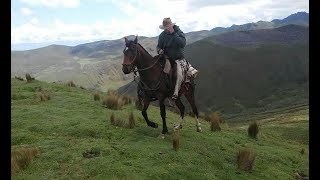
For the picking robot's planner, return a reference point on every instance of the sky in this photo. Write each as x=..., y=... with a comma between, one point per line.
x=40, y=21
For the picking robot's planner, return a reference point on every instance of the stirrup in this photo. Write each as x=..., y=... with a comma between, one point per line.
x=174, y=97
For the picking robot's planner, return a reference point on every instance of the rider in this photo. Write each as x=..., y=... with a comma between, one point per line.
x=171, y=42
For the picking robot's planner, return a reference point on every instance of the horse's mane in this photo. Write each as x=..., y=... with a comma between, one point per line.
x=145, y=50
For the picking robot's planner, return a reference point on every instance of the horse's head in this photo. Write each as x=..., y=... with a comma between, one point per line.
x=130, y=53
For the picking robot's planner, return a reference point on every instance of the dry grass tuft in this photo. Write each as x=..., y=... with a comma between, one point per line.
x=176, y=140
x=253, y=130
x=96, y=96
x=71, y=84
x=116, y=122
x=214, y=121
x=138, y=104
x=43, y=96
x=245, y=159
x=22, y=157
x=131, y=122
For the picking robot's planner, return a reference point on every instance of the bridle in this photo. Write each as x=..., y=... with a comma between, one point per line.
x=134, y=59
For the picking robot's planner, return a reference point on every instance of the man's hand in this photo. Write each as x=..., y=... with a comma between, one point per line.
x=160, y=51
x=170, y=29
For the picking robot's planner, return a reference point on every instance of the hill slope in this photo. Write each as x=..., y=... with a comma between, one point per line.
x=97, y=64
x=243, y=70
x=71, y=123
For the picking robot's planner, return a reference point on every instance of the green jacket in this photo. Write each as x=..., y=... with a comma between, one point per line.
x=172, y=44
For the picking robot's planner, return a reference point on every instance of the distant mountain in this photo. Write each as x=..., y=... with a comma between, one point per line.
x=247, y=69
x=96, y=64
x=299, y=18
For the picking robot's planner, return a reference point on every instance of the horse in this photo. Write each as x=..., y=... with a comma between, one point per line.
x=154, y=86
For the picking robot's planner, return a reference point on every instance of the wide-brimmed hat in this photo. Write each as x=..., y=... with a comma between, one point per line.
x=166, y=23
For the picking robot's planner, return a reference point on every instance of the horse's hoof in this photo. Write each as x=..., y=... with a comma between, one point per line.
x=162, y=136
x=153, y=125
x=178, y=127
x=199, y=129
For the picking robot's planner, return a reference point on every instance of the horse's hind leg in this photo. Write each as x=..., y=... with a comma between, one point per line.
x=163, y=116
x=146, y=103
x=189, y=94
x=181, y=108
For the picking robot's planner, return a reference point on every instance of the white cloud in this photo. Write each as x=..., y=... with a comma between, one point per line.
x=53, y=3
x=144, y=17
x=25, y=11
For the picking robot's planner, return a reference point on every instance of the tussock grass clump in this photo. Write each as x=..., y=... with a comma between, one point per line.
x=253, y=130
x=43, y=96
x=115, y=121
x=29, y=78
x=126, y=99
x=214, y=122
x=215, y=125
x=176, y=140
x=131, y=122
x=19, y=78
x=302, y=151
x=245, y=159
x=112, y=119
x=96, y=96
x=71, y=84
x=81, y=87
x=212, y=115
x=138, y=104
x=22, y=157
x=114, y=101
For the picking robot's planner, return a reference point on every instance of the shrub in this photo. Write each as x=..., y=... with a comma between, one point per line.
x=245, y=159
x=81, y=87
x=96, y=96
x=71, y=84
x=176, y=140
x=253, y=130
x=22, y=157
x=131, y=122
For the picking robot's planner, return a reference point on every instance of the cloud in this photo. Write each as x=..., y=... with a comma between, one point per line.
x=144, y=17
x=25, y=11
x=53, y=3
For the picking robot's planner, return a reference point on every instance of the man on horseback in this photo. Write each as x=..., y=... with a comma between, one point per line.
x=171, y=43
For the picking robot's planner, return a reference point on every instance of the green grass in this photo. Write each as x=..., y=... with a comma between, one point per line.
x=72, y=123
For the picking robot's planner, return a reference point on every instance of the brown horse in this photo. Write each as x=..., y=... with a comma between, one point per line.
x=153, y=85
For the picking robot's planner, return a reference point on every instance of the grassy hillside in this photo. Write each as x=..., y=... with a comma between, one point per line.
x=71, y=123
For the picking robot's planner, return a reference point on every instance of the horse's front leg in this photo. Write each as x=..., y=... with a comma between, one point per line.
x=163, y=116
x=146, y=103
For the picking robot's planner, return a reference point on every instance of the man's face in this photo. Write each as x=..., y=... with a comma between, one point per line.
x=169, y=29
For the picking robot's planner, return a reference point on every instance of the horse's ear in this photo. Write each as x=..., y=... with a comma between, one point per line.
x=136, y=40
x=126, y=40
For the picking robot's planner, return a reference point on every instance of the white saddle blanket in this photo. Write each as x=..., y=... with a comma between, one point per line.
x=188, y=71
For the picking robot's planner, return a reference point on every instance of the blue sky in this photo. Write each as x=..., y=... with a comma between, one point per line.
x=38, y=21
